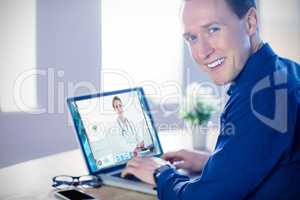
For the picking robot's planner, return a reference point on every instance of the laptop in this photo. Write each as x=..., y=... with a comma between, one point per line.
x=112, y=127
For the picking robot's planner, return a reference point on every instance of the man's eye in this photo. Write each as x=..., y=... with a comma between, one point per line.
x=213, y=29
x=191, y=39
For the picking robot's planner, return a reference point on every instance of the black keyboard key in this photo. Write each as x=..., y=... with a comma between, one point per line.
x=128, y=177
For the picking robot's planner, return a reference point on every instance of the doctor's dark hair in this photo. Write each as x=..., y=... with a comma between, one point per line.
x=116, y=98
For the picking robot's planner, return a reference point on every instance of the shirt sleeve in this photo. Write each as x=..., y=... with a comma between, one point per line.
x=247, y=151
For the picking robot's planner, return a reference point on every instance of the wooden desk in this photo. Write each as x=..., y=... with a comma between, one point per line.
x=32, y=180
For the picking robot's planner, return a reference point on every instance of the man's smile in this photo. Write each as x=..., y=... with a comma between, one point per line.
x=216, y=63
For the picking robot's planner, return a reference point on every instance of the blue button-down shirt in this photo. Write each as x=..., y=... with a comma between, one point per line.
x=257, y=155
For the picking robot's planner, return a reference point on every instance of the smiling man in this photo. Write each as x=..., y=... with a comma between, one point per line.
x=220, y=41
x=257, y=155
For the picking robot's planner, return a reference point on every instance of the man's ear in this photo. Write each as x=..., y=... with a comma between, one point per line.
x=252, y=21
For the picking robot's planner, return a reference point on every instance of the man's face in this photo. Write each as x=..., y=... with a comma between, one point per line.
x=118, y=106
x=218, y=39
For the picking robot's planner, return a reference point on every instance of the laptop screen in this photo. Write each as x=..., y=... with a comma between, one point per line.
x=113, y=127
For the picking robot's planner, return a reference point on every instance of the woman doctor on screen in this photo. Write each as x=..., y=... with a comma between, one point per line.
x=127, y=128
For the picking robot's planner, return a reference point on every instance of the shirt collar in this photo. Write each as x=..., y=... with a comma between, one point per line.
x=253, y=66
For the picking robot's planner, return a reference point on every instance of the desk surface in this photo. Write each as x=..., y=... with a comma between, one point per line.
x=32, y=180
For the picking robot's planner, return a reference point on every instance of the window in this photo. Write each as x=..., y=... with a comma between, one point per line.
x=281, y=29
x=142, y=46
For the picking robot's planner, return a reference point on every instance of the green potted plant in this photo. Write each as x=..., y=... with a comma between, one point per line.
x=196, y=110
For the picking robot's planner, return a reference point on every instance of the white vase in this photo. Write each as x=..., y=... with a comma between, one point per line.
x=199, y=136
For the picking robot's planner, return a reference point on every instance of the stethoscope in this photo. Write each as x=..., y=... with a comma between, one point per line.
x=125, y=129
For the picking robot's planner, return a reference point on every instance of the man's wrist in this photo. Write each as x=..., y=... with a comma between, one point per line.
x=157, y=172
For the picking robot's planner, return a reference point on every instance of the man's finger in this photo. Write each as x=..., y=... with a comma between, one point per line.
x=133, y=163
x=168, y=155
x=181, y=165
x=172, y=156
x=127, y=171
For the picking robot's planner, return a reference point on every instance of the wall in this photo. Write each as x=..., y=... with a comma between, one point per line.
x=68, y=42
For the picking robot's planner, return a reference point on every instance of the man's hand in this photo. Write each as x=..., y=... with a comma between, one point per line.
x=192, y=161
x=143, y=168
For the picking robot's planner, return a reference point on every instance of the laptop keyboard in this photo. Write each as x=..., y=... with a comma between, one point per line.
x=128, y=177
